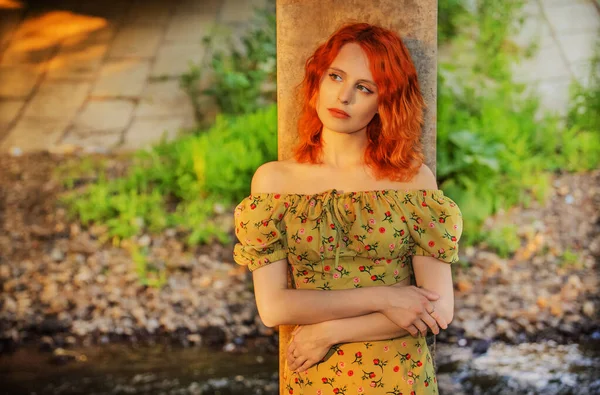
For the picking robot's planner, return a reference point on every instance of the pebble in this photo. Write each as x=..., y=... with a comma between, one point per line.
x=144, y=241
x=589, y=309
x=16, y=151
x=57, y=255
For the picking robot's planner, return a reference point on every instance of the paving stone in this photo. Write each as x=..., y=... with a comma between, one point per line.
x=239, y=10
x=17, y=54
x=164, y=98
x=34, y=134
x=57, y=99
x=189, y=28
x=144, y=132
x=563, y=3
x=206, y=7
x=136, y=41
x=79, y=58
x=531, y=8
x=554, y=95
x=95, y=142
x=122, y=77
x=9, y=110
x=173, y=59
x=155, y=13
x=578, y=46
x=583, y=72
x=578, y=17
x=228, y=37
x=18, y=81
x=534, y=30
x=547, y=63
x=104, y=115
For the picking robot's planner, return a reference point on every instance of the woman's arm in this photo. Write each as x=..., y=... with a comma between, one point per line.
x=435, y=275
x=369, y=327
x=278, y=305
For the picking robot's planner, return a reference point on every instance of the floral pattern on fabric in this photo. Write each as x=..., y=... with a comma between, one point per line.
x=335, y=240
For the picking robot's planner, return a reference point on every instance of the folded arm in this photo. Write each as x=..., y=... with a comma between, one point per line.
x=430, y=273
x=278, y=305
x=369, y=327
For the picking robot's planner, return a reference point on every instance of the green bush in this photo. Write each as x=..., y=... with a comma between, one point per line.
x=494, y=150
x=183, y=183
x=450, y=16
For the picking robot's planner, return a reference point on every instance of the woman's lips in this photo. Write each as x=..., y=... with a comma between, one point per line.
x=338, y=113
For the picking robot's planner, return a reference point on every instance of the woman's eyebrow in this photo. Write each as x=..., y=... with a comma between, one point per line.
x=361, y=80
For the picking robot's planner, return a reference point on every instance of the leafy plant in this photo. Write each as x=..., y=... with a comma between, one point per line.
x=243, y=80
x=149, y=276
x=450, y=15
x=503, y=239
x=493, y=150
x=186, y=183
x=570, y=258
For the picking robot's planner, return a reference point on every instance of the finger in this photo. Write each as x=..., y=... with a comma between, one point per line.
x=296, y=330
x=414, y=332
x=428, y=294
x=439, y=319
x=290, y=351
x=423, y=307
x=430, y=322
x=420, y=326
x=297, y=363
x=307, y=364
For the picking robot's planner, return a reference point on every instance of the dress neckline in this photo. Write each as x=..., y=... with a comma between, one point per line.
x=337, y=192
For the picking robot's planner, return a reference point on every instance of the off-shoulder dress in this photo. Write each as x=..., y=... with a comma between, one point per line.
x=335, y=240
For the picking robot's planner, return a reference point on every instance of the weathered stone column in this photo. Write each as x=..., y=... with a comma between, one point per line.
x=302, y=25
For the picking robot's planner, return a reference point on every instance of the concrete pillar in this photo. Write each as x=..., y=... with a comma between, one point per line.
x=303, y=25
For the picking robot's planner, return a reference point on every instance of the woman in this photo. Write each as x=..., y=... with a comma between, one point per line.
x=351, y=214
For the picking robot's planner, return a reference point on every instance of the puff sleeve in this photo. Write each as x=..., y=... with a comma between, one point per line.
x=260, y=231
x=435, y=225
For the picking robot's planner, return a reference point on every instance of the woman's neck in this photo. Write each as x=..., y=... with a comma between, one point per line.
x=344, y=150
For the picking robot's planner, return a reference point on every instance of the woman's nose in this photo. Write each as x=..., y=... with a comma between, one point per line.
x=345, y=94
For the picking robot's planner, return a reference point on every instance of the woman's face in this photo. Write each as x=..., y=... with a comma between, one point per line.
x=347, y=86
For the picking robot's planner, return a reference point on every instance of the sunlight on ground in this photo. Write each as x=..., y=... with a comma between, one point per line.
x=10, y=4
x=51, y=28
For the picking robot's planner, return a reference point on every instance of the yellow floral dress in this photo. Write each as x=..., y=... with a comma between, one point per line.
x=336, y=240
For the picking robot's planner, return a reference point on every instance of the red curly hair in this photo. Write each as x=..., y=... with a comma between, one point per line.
x=394, y=150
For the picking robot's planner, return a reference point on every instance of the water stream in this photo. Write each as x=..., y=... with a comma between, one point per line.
x=540, y=368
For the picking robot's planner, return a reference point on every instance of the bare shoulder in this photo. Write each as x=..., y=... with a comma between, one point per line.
x=425, y=179
x=268, y=178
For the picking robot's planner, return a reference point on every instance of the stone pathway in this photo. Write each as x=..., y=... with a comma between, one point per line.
x=104, y=75
x=565, y=32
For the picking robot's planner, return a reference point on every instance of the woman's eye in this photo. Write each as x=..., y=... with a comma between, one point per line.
x=366, y=90
x=333, y=75
x=363, y=88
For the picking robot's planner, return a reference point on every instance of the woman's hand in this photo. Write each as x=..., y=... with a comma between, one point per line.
x=416, y=323
x=412, y=308
x=309, y=345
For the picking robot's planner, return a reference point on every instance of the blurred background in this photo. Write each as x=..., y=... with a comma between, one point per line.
x=129, y=130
